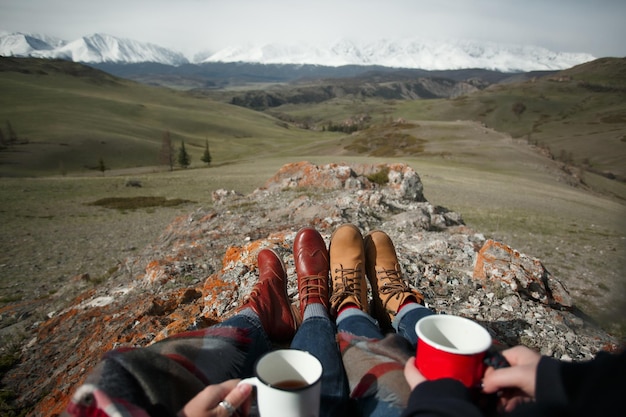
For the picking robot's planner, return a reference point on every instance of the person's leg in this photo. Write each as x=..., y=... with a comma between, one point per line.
x=358, y=323
x=395, y=305
x=404, y=322
x=391, y=293
x=349, y=301
x=317, y=333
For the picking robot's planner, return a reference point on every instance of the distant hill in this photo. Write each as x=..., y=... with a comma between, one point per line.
x=220, y=75
x=604, y=71
x=577, y=115
x=66, y=116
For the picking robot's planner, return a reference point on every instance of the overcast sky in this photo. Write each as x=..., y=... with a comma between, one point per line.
x=189, y=26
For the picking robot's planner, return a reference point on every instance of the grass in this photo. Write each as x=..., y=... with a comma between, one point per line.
x=562, y=116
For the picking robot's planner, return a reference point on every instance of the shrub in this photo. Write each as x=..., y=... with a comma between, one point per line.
x=380, y=177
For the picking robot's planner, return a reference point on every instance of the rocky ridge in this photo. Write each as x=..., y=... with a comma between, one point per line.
x=204, y=263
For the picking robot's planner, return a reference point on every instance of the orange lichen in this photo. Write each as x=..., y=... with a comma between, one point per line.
x=484, y=257
x=233, y=253
x=214, y=287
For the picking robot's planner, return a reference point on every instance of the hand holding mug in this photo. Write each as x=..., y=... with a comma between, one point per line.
x=219, y=400
x=288, y=383
x=516, y=382
x=412, y=375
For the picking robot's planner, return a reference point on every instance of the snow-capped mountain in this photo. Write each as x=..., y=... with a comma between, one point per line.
x=96, y=48
x=21, y=44
x=428, y=55
x=405, y=53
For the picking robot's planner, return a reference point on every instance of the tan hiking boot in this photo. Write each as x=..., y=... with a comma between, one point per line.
x=347, y=269
x=389, y=290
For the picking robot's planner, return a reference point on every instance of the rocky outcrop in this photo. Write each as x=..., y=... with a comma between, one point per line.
x=204, y=263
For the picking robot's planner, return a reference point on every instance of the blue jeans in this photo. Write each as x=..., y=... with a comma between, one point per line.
x=317, y=335
x=357, y=322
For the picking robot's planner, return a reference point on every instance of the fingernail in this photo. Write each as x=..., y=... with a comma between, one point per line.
x=244, y=388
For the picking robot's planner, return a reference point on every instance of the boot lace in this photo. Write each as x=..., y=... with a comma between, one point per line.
x=347, y=282
x=392, y=284
x=312, y=286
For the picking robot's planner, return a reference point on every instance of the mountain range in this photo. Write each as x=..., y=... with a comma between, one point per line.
x=96, y=48
x=405, y=53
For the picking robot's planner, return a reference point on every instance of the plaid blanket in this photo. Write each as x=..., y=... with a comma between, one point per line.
x=160, y=379
x=375, y=368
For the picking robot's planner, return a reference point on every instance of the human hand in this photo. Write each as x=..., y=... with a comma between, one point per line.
x=413, y=376
x=517, y=382
x=207, y=402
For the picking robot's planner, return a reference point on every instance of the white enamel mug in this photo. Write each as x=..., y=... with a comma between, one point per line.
x=288, y=384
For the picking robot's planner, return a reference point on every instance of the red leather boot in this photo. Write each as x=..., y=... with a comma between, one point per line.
x=312, y=266
x=269, y=299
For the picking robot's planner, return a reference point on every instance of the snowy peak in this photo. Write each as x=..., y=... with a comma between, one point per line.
x=402, y=53
x=106, y=48
x=96, y=48
x=428, y=55
x=20, y=44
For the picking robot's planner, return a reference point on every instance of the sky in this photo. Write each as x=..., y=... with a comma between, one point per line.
x=596, y=27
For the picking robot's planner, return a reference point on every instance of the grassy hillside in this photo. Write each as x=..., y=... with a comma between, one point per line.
x=71, y=116
x=578, y=115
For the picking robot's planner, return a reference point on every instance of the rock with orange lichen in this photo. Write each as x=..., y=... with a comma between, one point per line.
x=401, y=180
x=525, y=275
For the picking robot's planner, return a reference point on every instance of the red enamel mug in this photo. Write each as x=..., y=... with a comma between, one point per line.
x=450, y=346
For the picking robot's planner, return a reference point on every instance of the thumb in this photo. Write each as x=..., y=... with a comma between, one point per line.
x=239, y=395
x=413, y=376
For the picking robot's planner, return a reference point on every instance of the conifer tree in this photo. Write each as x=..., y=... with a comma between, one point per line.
x=206, y=157
x=183, y=157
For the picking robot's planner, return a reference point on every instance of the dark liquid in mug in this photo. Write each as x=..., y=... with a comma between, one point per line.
x=290, y=384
